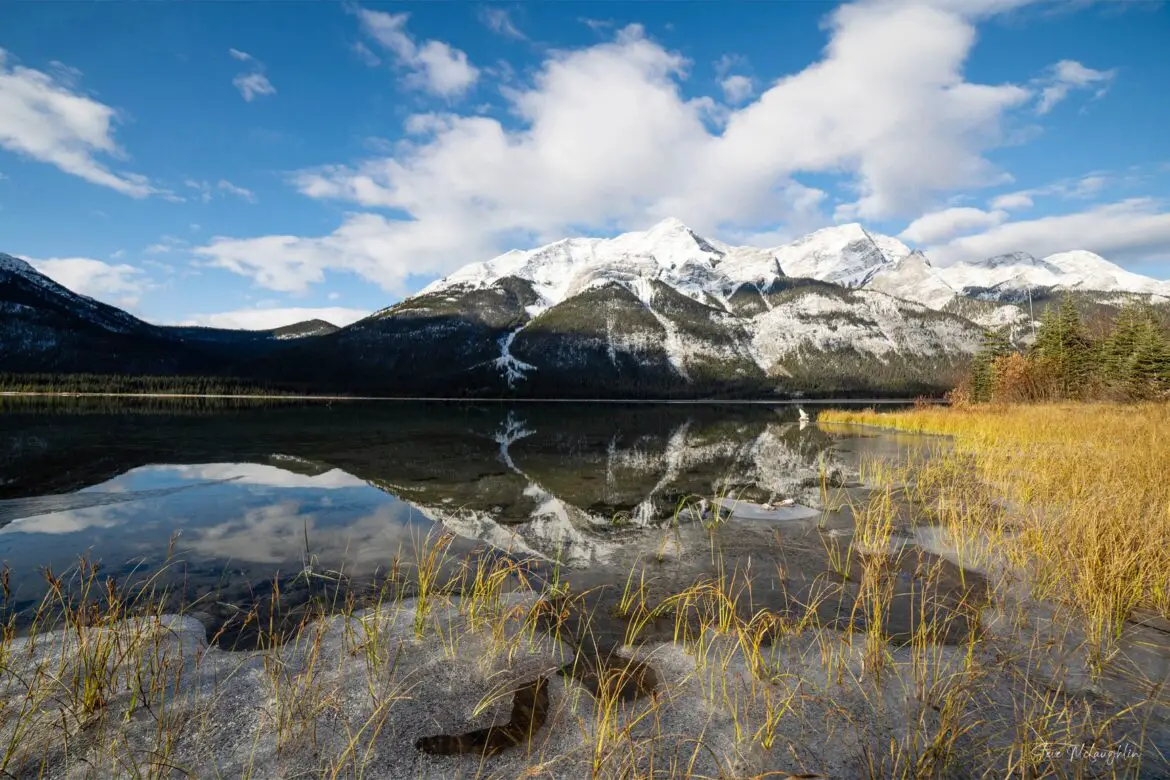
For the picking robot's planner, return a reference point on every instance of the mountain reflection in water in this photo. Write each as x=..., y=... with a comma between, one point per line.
x=240, y=497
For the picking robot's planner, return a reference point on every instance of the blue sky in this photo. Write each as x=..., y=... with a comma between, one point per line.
x=251, y=164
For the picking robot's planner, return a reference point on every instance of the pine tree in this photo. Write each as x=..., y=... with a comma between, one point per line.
x=994, y=346
x=1148, y=368
x=1135, y=357
x=1063, y=346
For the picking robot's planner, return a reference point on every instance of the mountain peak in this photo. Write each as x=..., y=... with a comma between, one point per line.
x=848, y=232
x=15, y=265
x=844, y=254
x=669, y=225
x=1011, y=258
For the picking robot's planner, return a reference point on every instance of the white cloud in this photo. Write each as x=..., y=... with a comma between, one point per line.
x=596, y=25
x=240, y=192
x=1012, y=201
x=736, y=88
x=258, y=474
x=941, y=225
x=1133, y=229
x=269, y=318
x=205, y=191
x=724, y=64
x=44, y=117
x=254, y=83
x=166, y=243
x=1075, y=188
x=606, y=139
x=499, y=21
x=202, y=187
x=1067, y=75
x=120, y=285
x=435, y=66
x=251, y=85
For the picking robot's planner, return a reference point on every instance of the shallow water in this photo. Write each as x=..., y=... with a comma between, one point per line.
x=223, y=500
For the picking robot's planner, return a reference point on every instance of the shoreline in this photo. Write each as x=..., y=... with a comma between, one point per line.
x=457, y=399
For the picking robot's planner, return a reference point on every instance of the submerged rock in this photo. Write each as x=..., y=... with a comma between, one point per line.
x=529, y=712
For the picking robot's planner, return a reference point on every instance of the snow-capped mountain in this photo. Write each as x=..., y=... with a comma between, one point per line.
x=1007, y=277
x=1014, y=271
x=848, y=255
x=913, y=278
x=674, y=254
x=1088, y=271
x=668, y=252
x=664, y=312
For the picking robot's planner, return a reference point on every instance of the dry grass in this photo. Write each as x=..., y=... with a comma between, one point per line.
x=1079, y=495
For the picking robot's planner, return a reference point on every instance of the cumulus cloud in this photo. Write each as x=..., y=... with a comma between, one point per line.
x=941, y=225
x=43, y=116
x=736, y=88
x=605, y=139
x=269, y=318
x=1132, y=229
x=499, y=21
x=1068, y=75
x=253, y=83
x=435, y=66
x=121, y=285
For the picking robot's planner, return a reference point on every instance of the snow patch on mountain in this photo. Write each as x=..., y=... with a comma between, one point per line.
x=510, y=366
x=868, y=322
x=913, y=278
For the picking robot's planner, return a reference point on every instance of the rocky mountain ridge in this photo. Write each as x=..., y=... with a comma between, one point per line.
x=658, y=313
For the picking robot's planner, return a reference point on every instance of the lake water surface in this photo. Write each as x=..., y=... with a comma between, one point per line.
x=218, y=503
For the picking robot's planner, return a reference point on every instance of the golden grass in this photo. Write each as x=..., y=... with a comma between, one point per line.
x=1077, y=495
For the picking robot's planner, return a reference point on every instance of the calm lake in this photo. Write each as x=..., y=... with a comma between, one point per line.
x=255, y=518
x=217, y=503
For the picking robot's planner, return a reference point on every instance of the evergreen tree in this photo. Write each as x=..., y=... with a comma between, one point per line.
x=1063, y=346
x=995, y=345
x=1135, y=357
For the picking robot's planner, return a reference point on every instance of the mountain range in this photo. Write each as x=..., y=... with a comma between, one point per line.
x=658, y=313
